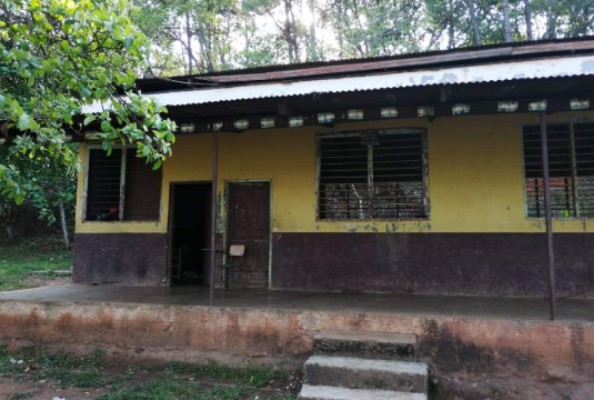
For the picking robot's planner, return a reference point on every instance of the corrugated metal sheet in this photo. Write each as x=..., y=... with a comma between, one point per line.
x=552, y=67
x=429, y=59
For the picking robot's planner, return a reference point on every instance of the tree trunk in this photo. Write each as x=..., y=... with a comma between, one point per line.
x=205, y=48
x=551, y=20
x=189, y=43
x=451, y=26
x=64, y=226
x=312, y=51
x=506, y=22
x=288, y=32
x=476, y=39
x=8, y=224
x=341, y=19
x=528, y=18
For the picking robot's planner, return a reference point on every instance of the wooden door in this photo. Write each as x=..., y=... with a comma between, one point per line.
x=249, y=225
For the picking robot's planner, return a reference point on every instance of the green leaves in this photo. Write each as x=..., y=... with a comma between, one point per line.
x=57, y=56
x=24, y=122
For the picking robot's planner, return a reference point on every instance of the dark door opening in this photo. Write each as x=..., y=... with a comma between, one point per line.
x=190, y=233
x=249, y=225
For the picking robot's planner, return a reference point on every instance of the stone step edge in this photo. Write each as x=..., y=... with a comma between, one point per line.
x=313, y=392
x=366, y=336
x=356, y=363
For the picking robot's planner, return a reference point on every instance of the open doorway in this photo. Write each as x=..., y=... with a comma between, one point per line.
x=190, y=232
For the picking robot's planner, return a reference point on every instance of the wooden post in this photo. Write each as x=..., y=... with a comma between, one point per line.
x=213, y=215
x=548, y=216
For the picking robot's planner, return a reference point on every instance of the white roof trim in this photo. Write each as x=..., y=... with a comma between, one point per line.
x=493, y=72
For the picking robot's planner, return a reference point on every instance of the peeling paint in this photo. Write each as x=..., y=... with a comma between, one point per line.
x=272, y=334
x=351, y=228
x=370, y=228
x=391, y=228
x=219, y=213
x=488, y=197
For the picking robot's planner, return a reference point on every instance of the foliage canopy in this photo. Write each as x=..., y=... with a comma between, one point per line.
x=55, y=57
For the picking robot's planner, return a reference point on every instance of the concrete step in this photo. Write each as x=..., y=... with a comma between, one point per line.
x=309, y=392
x=374, y=345
x=359, y=373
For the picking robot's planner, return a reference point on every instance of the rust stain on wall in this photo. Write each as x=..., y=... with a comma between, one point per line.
x=285, y=336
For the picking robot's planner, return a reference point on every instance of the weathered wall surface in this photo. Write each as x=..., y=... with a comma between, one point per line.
x=475, y=186
x=475, y=177
x=196, y=333
x=132, y=259
x=486, y=263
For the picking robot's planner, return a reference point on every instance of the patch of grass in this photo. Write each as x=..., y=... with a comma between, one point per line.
x=252, y=375
x=168, y=389
x=81, y=379
x=227, y=393
x=157, y=390
x=18, y=261
x=183, y=381
x=67, y=370
x=21, y=396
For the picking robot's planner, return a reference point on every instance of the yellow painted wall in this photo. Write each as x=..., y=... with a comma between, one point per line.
x=475, y=176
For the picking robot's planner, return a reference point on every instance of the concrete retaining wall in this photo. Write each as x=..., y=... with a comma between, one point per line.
x=231, y=335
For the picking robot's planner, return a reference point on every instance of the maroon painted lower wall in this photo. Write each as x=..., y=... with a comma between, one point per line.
x=450, y=263
x=126, y=258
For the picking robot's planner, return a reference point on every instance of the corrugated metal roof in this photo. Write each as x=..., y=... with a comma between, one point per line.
x=459, y=56
x=543, y=68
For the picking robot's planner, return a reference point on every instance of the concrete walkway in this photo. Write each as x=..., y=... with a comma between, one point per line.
x=460, y=306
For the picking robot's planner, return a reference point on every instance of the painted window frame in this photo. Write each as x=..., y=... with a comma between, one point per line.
x=395, y=131
x=570, y=123
x=122, y=199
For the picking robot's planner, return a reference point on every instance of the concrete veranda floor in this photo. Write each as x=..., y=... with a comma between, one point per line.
x=461, y=306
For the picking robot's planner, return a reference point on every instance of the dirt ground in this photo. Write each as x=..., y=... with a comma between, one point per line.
x=120, y=381
x=554, y=384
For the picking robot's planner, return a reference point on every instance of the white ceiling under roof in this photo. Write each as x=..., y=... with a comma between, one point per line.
x=550, y=67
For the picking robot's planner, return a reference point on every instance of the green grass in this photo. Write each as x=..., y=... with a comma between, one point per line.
x=19, y=261
x=252, y=375
x=183, y=381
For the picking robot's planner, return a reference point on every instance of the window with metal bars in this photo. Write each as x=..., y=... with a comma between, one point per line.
x=372, y=175
x=121, y=187
x=571, y=164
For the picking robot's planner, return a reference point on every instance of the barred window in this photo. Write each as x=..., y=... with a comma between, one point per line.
x=121, y=187
x=571, y=159
x=372, y=175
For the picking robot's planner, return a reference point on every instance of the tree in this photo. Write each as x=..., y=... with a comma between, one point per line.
x=551, y=20
x=476, y=37
x=369, y=28
x=55, y=57
x=506, y=22
x=50, y=188
x=528, y=20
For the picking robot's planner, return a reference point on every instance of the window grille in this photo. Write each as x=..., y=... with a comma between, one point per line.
x=134, y=195
x=372, y=175
x=103, y=187
x=143, y=190
x=571, y=152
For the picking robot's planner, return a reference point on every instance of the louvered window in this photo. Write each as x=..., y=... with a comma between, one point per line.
x=104, y=183
x=372, y=175
x=571, y=159
x=134, y=195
